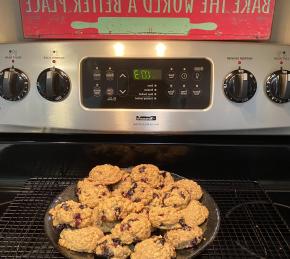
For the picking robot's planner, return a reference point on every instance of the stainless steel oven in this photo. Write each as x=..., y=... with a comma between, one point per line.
x=214, y=112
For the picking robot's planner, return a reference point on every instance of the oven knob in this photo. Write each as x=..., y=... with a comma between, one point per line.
x=278, y=86
x=53, y=84
x=14, y=84
x=240, y=85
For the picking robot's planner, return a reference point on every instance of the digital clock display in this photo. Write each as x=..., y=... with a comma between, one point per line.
x=147, y=74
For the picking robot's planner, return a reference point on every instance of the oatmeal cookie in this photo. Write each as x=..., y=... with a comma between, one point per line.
x=164, y=217
x=71, y=213
x=80, y=240
x=90, y=193
x=175, y=196
x=126, y=178
x=195, y=213
x=192, y=187
x=136, y=192
x=154, y=248
x=113, y=209
x=167, y=178
x=149, y=174
x=184, y=237
x=134, y=228
x=106, y=174
x=157, y=198
x=112, y=248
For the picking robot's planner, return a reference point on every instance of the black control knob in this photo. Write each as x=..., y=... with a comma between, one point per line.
x=278, y=86
x=53, y=84
x=14, y=84
x=240, y=85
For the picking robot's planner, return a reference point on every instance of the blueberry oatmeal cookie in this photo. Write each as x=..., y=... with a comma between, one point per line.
x=71, y=213
x=155, y=247
x=112, y=210
x=157, y=198
x=106, y=174
x=91, y=193
x=167, y=178
x=112, y=248
x=175, y=196
x=195, y=213
x=80, y=240
x=192, y=187
x=184, y=237
x=134, y=228
x=136, y=192
x=164, y=217
x=149, y=174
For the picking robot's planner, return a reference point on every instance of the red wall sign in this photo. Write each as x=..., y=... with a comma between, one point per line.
x=143, y=19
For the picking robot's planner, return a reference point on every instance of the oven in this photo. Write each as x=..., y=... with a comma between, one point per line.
x=217, y=113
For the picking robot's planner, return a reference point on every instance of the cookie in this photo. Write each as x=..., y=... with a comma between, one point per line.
x=185, y=237
x=175, y=196
x=192, y=187
x=149, y=174
x=90, y=193
x=195, y=213
x=71, y=213
x=167, y=178
x=113, y=209
x=112, y=248
x=136, y=192
x=157, y=198
x=80, y=240
x=133, y=228
x=106, y=174
x=155, y=247
x=164, y=217
x=126, y=178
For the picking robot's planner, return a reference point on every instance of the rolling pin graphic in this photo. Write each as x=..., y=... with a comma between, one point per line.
x=136, y=25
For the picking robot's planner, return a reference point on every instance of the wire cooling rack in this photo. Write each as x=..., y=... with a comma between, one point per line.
x=250, y=227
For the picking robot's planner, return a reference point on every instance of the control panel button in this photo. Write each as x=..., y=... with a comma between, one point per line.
x=171, y=75
x=196, y=92
x=123, y=83
x=97, y=91
x=240, y=85
x=183, y=92
x=123, y=75
x=197, y=76
x=110, y=91
x=53, y=84
x=278, y=86
x=184, y=76
x=97, y=75
x=14, y=84
x=171, y=92
x=110, y=75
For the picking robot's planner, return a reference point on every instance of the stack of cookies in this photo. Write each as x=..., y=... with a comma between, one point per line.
x=141, y=212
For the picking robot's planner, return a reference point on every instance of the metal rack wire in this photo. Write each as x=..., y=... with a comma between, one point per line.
x=251, y=227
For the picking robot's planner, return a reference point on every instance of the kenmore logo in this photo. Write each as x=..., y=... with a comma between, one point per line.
x=146, y=118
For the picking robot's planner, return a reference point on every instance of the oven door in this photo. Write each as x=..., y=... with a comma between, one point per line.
x=247, y=176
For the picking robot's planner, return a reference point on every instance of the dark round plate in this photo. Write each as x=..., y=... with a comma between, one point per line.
x=210, y=227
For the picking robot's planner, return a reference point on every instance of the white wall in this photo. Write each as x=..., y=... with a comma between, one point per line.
x=10, y=22
x=281, y=23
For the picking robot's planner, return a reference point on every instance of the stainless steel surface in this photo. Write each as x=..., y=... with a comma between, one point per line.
x=12, y=31
x=35, y=112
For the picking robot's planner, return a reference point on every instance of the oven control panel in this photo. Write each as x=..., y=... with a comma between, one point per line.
x=146, y=83
x=175, y=87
